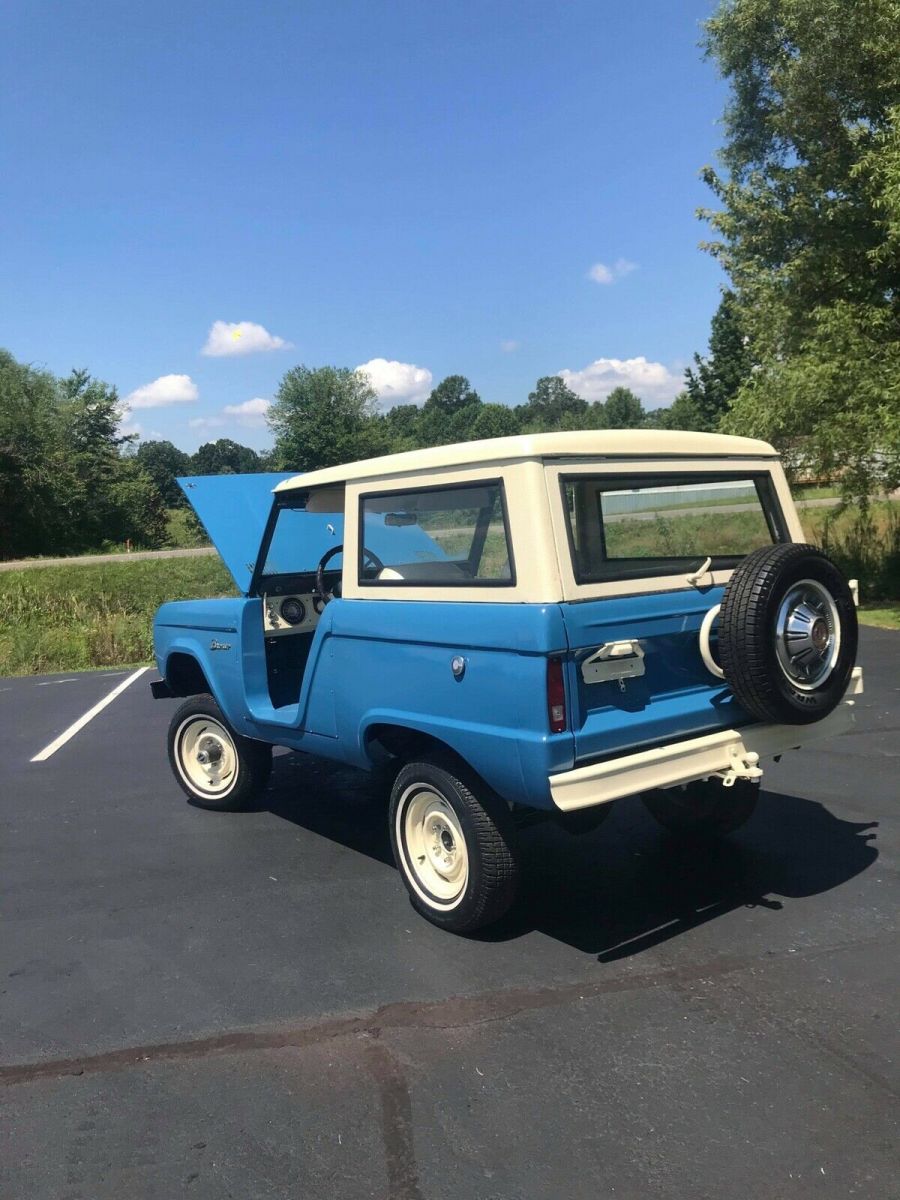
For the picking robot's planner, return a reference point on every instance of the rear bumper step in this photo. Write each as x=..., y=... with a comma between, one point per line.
x=732, y=753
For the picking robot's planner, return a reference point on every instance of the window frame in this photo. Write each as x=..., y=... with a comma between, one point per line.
x=626, y=570
x=409, y=489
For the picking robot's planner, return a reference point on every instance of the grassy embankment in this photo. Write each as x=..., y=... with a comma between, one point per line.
x=79, y=618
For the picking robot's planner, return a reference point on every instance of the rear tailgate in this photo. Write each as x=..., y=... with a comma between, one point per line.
x=674, y=697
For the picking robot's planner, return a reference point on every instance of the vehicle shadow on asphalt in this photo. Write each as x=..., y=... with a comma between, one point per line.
x=630, y=885
x=624, y=888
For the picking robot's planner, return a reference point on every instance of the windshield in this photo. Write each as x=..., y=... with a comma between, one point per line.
x=667, y=524
x=299, y=540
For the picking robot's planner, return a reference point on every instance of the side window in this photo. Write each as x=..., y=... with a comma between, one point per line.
x=449, y=537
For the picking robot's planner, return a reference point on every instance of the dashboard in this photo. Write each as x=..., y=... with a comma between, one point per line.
x=291, y=614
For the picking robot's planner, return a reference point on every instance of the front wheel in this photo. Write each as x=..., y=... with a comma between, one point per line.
x=454, y=850
x=705, y=809
x=216, y=767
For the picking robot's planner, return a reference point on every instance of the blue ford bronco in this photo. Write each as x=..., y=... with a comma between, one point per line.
x=536, y=625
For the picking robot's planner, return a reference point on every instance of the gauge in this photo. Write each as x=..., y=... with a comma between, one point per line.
x=293, y=610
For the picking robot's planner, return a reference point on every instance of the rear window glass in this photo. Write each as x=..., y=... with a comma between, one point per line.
x=666, y=524
x=454, y=536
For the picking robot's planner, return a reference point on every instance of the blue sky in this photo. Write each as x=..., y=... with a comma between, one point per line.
x=429, y=184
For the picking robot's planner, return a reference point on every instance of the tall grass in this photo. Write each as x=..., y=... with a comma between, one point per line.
x=866, y=546
x=101, y=615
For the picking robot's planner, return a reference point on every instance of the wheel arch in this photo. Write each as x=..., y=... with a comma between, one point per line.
x=386, y=740
x=185, y=675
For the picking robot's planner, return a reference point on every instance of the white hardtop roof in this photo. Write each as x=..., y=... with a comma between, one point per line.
x=589, y=443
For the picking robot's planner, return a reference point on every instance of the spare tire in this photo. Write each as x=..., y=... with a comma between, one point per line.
x=788, y=634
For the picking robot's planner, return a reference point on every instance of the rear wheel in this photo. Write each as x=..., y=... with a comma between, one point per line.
x=454, y=849
x=704, y=809
x=216, y=767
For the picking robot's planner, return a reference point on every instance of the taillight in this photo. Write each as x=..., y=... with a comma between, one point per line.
x=556, y=696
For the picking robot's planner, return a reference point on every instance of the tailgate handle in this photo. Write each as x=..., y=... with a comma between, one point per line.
x=614, y=660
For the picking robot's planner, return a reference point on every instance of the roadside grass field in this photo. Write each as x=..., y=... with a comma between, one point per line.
x=885, y=615
x=81, y=618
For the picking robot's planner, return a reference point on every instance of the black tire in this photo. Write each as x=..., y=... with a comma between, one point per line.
x=756, y=634
x=705, y=809
x=198, y=726
x=489, y=886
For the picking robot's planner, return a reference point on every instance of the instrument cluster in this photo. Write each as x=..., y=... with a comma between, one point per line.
x=291, y=614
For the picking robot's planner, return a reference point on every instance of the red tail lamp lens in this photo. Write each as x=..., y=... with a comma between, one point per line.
x=556, y=696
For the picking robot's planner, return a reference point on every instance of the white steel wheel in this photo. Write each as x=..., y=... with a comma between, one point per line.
x=454, y=844
x=216, y=767
x=436, y=857
x=206, y=756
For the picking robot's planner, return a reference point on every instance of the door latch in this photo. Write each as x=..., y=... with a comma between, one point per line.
x=614, y=660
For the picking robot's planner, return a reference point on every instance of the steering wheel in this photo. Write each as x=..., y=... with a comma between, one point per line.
x=321, y=592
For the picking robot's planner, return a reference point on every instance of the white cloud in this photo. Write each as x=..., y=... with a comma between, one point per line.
x=251, y=412
x=509, y=345
x=654, y=382
x=168, y=389
x=396, y=381
x=205, y=423
x=601, y=273
x=229, y=338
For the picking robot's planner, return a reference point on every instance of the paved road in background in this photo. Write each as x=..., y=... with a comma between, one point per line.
x=86, y=560
x=246, y=1006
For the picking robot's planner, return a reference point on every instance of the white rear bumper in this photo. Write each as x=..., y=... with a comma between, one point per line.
x=728, y=751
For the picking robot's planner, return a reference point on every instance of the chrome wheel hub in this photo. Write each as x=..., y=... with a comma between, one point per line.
x=808, y=634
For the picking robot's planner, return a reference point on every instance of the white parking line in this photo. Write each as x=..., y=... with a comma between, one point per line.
x=88, y=716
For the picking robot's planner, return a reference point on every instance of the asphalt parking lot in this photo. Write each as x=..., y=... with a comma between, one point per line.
x=246, y=1006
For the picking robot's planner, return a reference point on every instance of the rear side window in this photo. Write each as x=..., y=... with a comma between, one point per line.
x=666, y=524
x=446, y=537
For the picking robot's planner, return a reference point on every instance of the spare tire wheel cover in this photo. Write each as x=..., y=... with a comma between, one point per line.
x=788, y=634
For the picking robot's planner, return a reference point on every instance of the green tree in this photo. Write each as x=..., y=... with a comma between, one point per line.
x=809, y=228
x=402, y=427
x=623, y=409
x=493, y=421
x=64, y=484
x=442, y=420
x=39, y=493
x=682, y=413
x=163, y=462
x=323, y=416
x=89, y=413
x=552, y=406
x=715, y=380
x=224, y=457
x=136, y=511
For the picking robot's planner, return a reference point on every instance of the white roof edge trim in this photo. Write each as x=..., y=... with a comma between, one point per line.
x=591, y=443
